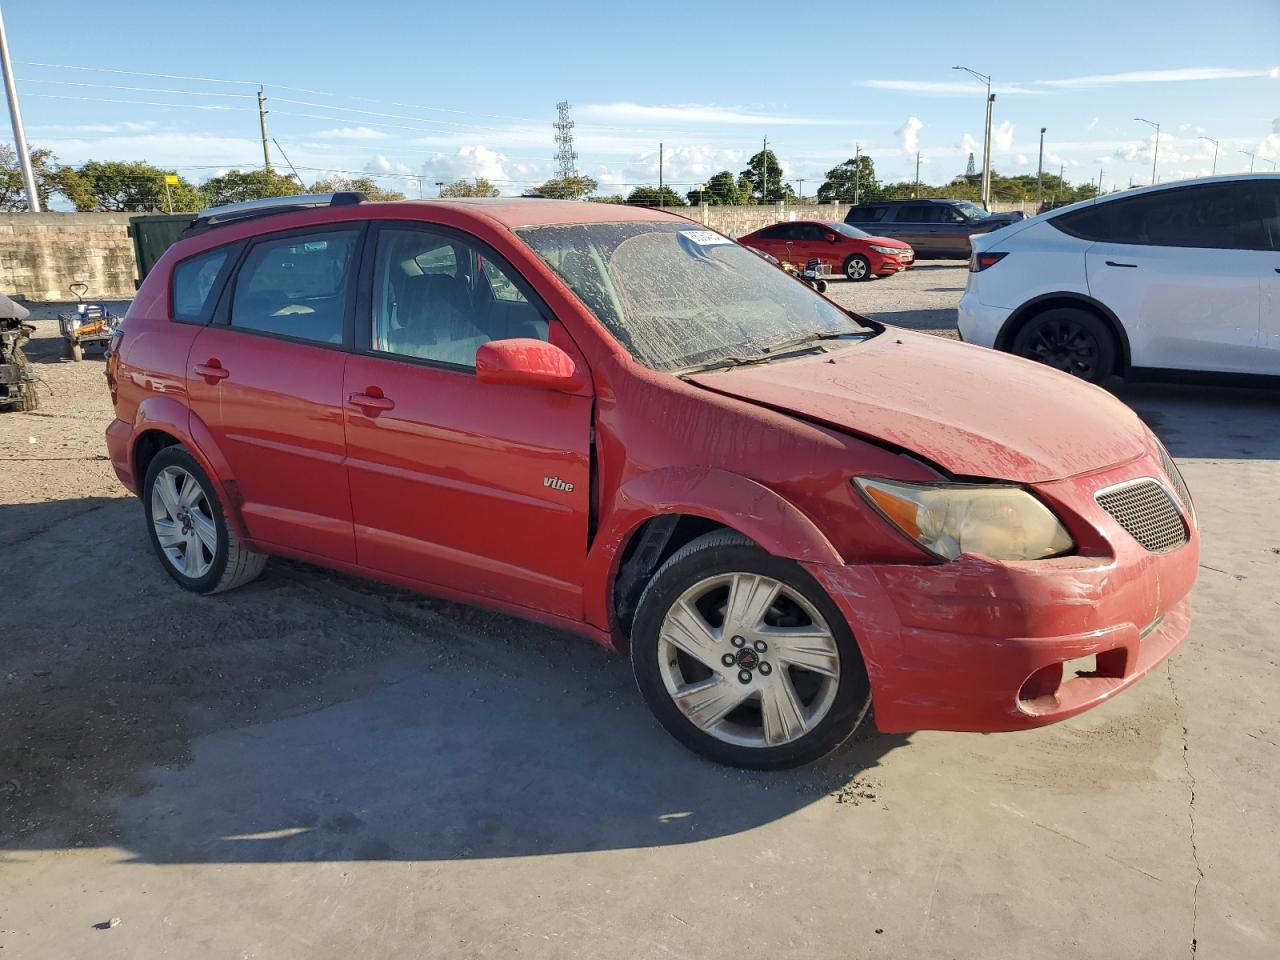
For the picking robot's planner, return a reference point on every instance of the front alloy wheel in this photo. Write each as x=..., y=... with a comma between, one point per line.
x=744, y=658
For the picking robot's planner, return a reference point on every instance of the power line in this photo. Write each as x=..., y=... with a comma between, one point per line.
x=119, y=86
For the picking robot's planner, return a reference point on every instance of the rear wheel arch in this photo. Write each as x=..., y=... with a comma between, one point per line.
x=1052, y=301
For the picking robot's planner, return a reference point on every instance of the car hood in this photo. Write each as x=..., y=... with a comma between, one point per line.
x=887, y=242
x=973, y=411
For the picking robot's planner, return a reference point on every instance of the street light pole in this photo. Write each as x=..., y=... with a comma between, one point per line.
x=19, y=135
x=1251, y=158
x=1215, y=152
x=857, y=170
x=1155, y=153
x=917, y=193
x=1040, y=173
x=986, y=140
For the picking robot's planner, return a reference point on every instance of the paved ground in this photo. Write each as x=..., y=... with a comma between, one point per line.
x=315, y=766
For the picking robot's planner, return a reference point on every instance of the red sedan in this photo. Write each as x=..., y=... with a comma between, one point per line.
x=844, y=248
x=620, y=423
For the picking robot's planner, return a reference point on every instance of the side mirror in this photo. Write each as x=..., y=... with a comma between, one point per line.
x=832, y=237
x=525, y=362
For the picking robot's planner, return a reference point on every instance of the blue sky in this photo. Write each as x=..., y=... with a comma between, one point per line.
x=421, y=92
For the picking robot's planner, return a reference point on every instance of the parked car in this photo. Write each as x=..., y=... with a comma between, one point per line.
x=847, y=250
x=617, y=422
x=935, y=229
x=1174, y=279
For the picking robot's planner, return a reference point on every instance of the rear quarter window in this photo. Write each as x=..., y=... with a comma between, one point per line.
x=866, y=215
x=1223, y=216
x=195, y=283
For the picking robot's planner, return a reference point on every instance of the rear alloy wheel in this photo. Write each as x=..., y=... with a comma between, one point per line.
x=1071, y=340
x=744, y=658
x=857, y=267
x=188, y=529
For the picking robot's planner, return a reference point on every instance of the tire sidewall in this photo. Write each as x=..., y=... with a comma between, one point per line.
x=853, y=695
x=176, y=456
x=1100, y=332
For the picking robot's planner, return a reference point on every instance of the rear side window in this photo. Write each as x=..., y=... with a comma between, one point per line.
x=296, y=286
x=194, y=282
x=914, y=213
x=772, y=233
x=1223, y=216
x=865, y=215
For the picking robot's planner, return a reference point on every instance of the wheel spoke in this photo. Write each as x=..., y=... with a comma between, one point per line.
x=191, y=491
x=709, y=701
x=687, y=630
x=781, y=711
x=168, y=490
x=168, y=533
x=750, y=598
x=193, y=556
x=205, y=530
x=809, y=648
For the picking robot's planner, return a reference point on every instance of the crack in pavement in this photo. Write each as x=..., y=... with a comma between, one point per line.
x=1191, y=808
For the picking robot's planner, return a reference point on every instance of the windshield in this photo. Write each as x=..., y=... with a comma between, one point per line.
x=849, y=231
x=972, y=210
x=677, y=296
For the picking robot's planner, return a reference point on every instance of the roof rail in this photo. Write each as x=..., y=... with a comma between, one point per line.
x=270, y=206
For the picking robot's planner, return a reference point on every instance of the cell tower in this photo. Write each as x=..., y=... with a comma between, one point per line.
x=565, y=156
x=971, y=171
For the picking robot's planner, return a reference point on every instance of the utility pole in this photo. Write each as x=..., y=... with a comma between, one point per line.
x=1215, y=153
x=917, y=193
x=439, y=187
x=857, y=170
x=1251, y=158
x=19, y=135
x=1155, y=153
x=986, y=140
x=262, y=123
x=801, y=189
x=1100, y=169
x=1040, y=173
x=764, y=171
x=659, y=174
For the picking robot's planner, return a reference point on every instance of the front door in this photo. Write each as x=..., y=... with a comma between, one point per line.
x=266, y=379
x=479, y=488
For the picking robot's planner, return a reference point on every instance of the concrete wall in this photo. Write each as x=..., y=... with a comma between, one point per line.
x=42, y=254
x=742, y=220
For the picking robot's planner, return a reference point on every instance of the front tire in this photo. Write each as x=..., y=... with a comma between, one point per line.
x=189, y=530
x=857, y=268
x=1069, y=339
x=743, y=657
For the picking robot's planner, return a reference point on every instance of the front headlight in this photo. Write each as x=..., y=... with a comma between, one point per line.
x=890, y=251
x=948, y=519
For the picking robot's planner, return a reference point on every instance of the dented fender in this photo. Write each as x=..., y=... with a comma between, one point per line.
x=728, y=498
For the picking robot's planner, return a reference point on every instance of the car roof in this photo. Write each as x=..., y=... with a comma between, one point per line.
x=876, y=203
x=1156, y=188
x=535, y=212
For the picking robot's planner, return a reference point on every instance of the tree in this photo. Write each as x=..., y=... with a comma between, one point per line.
x=610, y=199
x=565, y=188
x=114, y=185
x=236, y=186
x=480, y=187
x=721, y=190
x=653, y=197
x=13, y=194
x=855, y=177
x=365, y=185
x=773, y=188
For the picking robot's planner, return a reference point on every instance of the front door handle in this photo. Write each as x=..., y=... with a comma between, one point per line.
x=368, y=402
x=1114, y=263
x=212, y=371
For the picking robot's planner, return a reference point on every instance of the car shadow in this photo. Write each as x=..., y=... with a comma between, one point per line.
x=1208, y=422
x=931, y=320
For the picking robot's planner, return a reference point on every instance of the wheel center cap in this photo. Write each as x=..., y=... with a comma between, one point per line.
x=747, y=658
x=185, y=519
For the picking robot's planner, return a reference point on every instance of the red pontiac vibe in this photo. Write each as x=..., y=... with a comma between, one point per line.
x=615, y=421
x=844, y=248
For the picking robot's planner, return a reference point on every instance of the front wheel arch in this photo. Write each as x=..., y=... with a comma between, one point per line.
x=1052, y=301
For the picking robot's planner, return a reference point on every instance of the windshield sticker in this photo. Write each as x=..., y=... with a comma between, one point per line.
x=704, y=238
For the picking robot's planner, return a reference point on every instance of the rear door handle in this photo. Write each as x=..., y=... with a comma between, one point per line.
x=368, y=402
x=1114, y=263
x=213, y=370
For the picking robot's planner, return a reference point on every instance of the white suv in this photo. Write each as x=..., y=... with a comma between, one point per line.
x=1183, y=277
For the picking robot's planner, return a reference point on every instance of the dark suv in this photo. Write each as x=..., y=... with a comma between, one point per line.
x=934, y=228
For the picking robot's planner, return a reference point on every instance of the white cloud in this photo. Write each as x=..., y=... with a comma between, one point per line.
x=909, y=134
x=1002, y=137
x=124, y=126
x=351, y=133
x=683, y=168
x=1021, y=160
x=380, y=164
x=1092, y=123
x=969, y=144
x=1180, y=75
x=692, y=113
x=946, y=88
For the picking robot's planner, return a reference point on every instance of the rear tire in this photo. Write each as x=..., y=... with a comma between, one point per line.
x=1069, y=339
x=797, y=687
x=200, y=550
x=857, y=268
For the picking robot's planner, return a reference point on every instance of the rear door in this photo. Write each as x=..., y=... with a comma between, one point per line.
x=1269, y=316
x=1182, y=269
x=770, y=240
x=808, y=240
x=266, y=379
x=479, y=488
x=910, y=223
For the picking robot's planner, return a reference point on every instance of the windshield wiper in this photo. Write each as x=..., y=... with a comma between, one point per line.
x=777, y=351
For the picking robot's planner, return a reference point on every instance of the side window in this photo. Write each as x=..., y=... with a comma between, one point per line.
x=296, y=286
x=1269, y=196
x=915, y=213
x=1225, y=216
x=809, y=231
x=773, y=233
x=438, y=298
x=194, y=280
x=866, y=215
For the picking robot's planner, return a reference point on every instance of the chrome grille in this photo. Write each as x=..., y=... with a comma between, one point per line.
x=1147, y=512
x=1175, y=477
